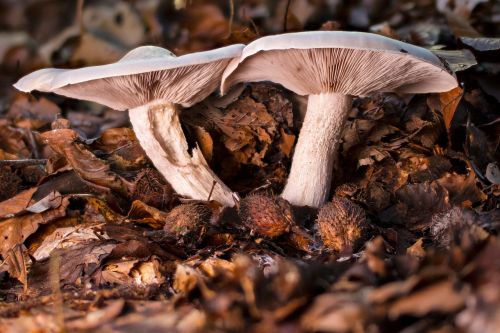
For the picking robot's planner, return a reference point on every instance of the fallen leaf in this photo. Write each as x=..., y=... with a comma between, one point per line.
x=84, y=162
x=439, y=297
x=94, y=319
x=447, y=103
x=286, y=143
x=417, y=250
x=462, y=189
x=482, y=44
x=16, y=204
x=458, y=60
x=205, y=142
x=14, y=231
x=334, y=313
x=33, y=113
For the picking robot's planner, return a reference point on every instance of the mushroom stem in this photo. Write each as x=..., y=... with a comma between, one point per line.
x=312, y=165
x=159, y=132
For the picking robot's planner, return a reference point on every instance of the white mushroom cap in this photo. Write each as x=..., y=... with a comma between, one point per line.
x=143, y=75
x=350, y=63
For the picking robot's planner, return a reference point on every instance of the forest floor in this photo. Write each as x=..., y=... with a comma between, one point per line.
x=86, y=221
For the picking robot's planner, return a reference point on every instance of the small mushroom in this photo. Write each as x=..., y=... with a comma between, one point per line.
x=150, y=82
x=332, y=67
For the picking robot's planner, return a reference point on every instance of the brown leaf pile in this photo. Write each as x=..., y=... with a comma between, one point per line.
x=95, y=240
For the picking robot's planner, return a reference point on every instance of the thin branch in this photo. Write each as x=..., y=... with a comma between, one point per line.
x=79, y=16
x=231, y=17
x=211, y=190
x=285, y=21
x=23, y=163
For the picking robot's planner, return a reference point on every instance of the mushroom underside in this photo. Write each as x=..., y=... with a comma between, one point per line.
x=183, y=85
x=353, y=72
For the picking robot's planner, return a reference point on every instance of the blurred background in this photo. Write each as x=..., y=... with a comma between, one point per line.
x=38, y=33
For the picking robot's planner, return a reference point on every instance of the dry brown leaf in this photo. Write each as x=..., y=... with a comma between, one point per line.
x=417, y=249
x=118, y=273
x=94, y=319
x=15, y=262
x=63, y=234
x=459, y=26
x=185, y=279
x=14, y=231
x=334, y=313
x=32, y=113
x=447, y=104
x=81, y=261
x=98, y=210
x=85, y=163
x=13, y=141
x=205, y=142
x=248, y=131
x=17, y=203
x=439, y=297
x=462, y=189
x=206, y=26
x=287, y=142
x=142, y=213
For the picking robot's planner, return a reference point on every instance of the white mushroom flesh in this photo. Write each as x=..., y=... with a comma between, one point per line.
x=159, y=131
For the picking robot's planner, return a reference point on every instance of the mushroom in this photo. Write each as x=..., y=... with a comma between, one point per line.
x=150, y=81
x=332, y=67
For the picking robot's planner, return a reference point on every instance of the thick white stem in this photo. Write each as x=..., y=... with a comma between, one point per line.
x=312, y=165
x=159, y=132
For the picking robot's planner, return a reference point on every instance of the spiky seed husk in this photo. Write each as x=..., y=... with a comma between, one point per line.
x=267, y=216
x=150, y=188
x=187, y=220
x=342, y=225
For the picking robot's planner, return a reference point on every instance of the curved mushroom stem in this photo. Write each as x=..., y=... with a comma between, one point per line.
x=312, y=165
x=159, y=132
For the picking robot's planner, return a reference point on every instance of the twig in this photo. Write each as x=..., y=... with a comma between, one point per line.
x=231, y=17
x=285, y=21
x=54, y=276
x=211, y=190
x=23, y=163
x=79, y=16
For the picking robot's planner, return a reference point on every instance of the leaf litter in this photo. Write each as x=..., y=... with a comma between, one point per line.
x=95, y=240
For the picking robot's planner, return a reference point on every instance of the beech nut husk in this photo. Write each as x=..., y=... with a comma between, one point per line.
x=342, y=225
x=187, y=221
x=266, y=216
